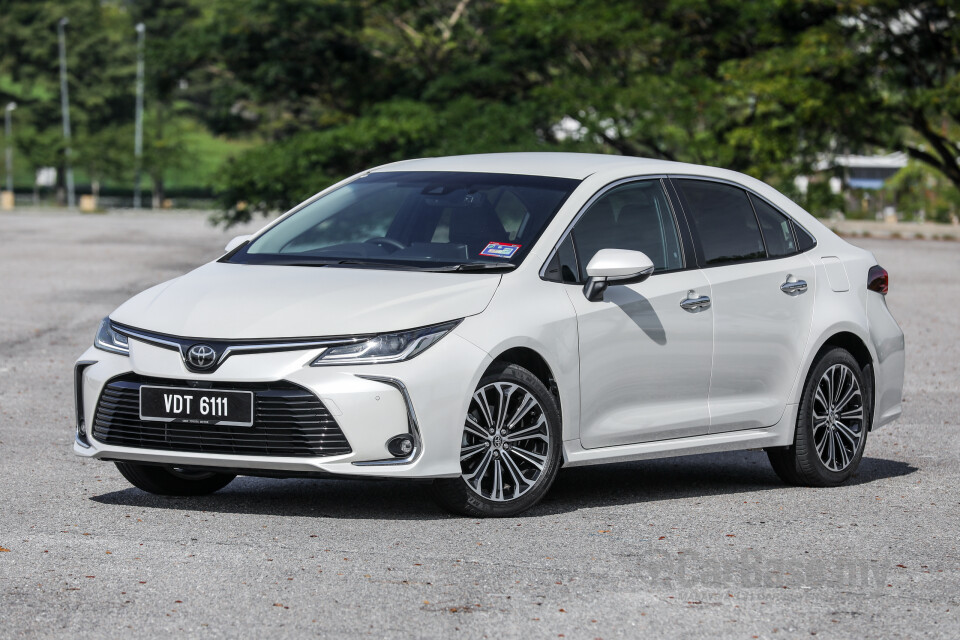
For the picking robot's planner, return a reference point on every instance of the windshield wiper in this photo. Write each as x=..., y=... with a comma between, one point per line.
x=478, y=266
x=349, y=263
x=374, y=263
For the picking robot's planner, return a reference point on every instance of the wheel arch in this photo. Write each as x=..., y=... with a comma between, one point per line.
x=531, y=360
x=851, y=340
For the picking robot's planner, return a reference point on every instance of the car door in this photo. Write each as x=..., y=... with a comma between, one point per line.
x=762, y=301
x=644, y=359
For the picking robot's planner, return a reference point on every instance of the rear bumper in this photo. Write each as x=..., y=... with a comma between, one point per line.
x=888, y=343
x=426, y=396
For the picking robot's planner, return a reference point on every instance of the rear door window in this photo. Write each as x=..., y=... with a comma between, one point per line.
x=723, y=219
x=777, y=230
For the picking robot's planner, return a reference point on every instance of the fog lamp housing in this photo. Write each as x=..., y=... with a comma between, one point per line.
x=401, y=446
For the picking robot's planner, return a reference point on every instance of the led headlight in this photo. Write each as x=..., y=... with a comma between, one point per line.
x=386, y=347
x=109, y=340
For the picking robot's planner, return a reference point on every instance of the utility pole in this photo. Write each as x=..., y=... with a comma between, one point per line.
x=138, y=129
x=8, y=133
x=65, y=108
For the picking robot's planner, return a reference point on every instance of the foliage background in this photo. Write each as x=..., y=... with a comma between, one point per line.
x=265, y=102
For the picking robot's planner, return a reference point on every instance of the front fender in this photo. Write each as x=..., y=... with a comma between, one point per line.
x=536, y=315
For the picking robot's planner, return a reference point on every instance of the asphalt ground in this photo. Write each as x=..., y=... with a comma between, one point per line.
x=701, y=546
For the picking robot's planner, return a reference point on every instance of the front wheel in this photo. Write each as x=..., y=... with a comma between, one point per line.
x=831, y=426
x=173, y=481
x=510, y=447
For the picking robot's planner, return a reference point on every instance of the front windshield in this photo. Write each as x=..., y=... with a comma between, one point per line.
x=419, y=220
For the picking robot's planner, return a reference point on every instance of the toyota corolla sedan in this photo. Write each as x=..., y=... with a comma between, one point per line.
x=482, y=321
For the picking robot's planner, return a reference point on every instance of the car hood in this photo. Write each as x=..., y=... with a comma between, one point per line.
x=239, y=301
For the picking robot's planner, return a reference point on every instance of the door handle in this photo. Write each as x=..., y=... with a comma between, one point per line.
x=695, y=304
x=793, y=288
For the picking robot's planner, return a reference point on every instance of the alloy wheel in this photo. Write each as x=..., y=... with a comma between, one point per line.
x=506, y=442
x=838, y=417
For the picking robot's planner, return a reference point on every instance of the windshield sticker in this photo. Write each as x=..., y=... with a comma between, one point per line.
x=500, y=249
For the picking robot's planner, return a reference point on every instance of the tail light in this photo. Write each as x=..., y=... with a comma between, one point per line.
x=878, y=280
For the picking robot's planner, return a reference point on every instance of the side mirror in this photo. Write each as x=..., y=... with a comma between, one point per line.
x=236, y=242
x=615, y=266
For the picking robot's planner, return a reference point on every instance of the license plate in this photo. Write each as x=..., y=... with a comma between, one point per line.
x=197, y=406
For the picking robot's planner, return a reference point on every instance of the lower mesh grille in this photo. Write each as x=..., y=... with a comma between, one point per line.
x=288, y=421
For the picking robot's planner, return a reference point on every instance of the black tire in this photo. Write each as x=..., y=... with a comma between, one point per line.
x=456, y=495
x=168, y=481
x=802, y=464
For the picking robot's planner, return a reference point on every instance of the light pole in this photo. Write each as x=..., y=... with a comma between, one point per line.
x=8, y=133
x=65, y=108
x=138, y=129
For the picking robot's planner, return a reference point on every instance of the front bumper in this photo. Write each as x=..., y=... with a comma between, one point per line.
x=427, y=395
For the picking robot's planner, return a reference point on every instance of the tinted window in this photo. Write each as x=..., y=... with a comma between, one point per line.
x=724, y=221
x=805, y=241
x=563, y=267
x=777, y=230
x=633, y=216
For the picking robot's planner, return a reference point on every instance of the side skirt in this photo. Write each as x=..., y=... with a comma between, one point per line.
x=779, y=435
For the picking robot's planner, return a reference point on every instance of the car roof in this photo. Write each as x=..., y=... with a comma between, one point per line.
x=556, y=164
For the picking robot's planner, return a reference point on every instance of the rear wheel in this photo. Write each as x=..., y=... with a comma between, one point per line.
x=510, y=447
x=173, y=481
x=831, y=426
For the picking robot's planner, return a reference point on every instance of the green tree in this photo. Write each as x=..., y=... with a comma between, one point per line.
x=99, y=77
x=765, y=88
x=105, y=154
x=391, y=80
x=624, y=78
x=920, y=188
x=881, y=74
x=176, y=47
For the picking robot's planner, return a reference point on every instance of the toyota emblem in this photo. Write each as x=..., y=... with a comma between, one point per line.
x=201, y=356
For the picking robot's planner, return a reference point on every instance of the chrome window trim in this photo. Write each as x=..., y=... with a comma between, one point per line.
x=412, y=425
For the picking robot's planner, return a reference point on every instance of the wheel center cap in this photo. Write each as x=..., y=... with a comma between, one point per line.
x=497, y=441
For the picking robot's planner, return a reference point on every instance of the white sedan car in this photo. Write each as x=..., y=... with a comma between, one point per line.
x=484, y=320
